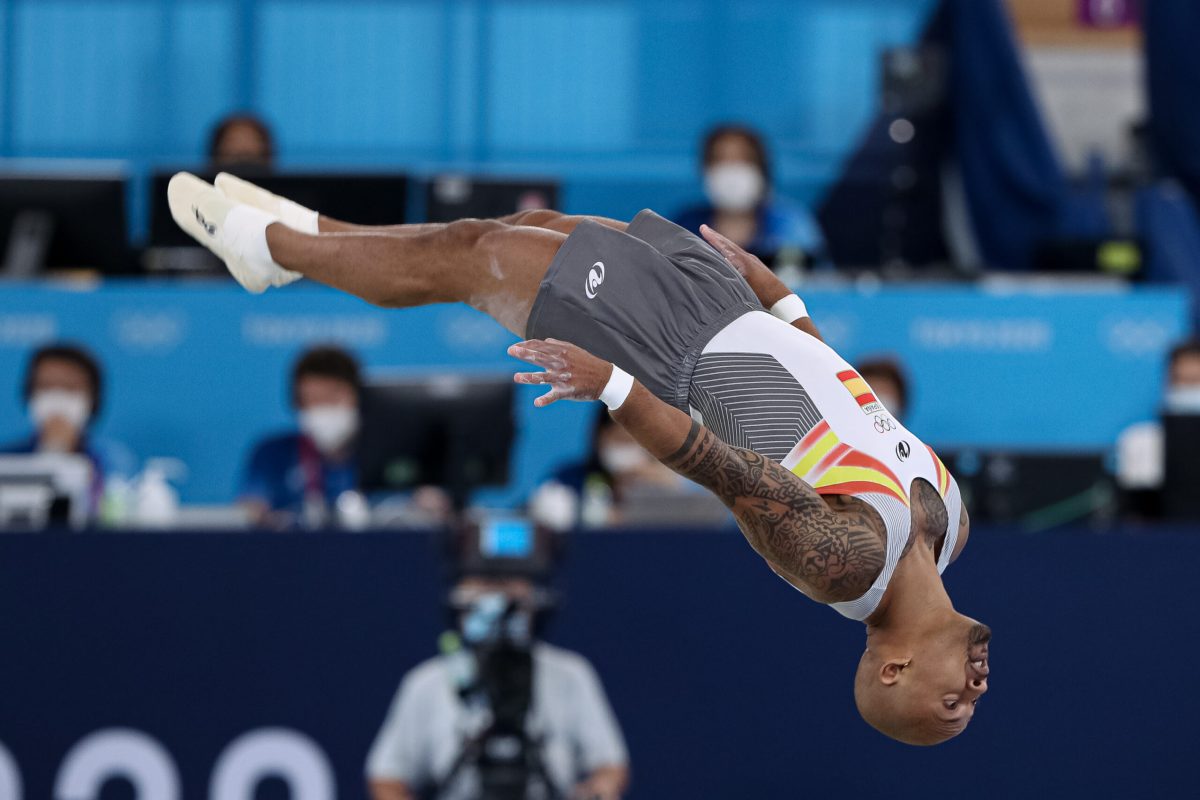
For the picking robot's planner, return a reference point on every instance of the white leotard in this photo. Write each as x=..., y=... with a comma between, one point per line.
x=766, y=386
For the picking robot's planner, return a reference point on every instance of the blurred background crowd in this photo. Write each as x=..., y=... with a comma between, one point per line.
x=990, y=207
x=1016, y=153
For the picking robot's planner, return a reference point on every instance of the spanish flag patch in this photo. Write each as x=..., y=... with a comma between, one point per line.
x=861, y=391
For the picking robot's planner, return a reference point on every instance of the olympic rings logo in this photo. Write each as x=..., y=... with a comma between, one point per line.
x=884, y=424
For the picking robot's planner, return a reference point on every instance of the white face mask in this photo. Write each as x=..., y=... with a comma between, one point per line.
x=618, y=458
x=330, y=427
x=1183, y=400
x=71, y=407
x=734, y=185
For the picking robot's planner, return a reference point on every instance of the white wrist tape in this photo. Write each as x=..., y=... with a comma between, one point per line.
x=790, y=309
x=619, y=385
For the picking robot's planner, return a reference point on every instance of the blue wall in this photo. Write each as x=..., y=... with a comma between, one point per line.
x=199, y=371
x=610, y=95
x=727, y=682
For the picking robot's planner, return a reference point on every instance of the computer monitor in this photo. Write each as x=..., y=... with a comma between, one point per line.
x=359, y=197
x=451, y=197
x=1181, y=477
x=1037, y=489
x=452, y=431
x=44, y=489
x=62, y=222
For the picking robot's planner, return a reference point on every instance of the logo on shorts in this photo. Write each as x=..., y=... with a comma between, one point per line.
x=903, y=451
x=594, y=279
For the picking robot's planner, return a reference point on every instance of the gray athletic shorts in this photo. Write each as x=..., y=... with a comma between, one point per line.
x=648, y=300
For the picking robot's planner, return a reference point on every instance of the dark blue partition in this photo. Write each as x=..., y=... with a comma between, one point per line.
x=728, y=683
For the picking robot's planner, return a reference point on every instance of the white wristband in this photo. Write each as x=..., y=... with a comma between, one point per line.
x=619, y=385
x=790, y=309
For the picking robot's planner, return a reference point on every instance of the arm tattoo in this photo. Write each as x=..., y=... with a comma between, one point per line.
x=833, y=553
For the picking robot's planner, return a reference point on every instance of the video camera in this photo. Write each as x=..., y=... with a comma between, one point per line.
x=497, y=606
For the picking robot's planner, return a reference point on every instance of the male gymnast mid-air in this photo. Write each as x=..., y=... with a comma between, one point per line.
x=673, y=334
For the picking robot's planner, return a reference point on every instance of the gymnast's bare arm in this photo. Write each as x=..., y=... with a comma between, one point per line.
x=763, y=282
x=832, y=549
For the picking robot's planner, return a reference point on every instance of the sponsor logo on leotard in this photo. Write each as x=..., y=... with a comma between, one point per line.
x=594, y=279
x=903, y=451
x=862, y=393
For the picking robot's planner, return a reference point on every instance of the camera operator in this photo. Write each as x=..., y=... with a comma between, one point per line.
x=499, y=715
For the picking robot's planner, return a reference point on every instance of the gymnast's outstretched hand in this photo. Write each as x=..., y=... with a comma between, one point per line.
x=571, y=372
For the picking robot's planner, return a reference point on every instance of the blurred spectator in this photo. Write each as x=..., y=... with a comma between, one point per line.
x=299, y=476
x=742, y=206
x=1141, y=457
x=63, y=392
x=601, y=485
x=434, y=741
x=241, y=140
x=887, y=379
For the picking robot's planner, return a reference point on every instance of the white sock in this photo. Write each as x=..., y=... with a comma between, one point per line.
x=297, y=217
x=246, y=234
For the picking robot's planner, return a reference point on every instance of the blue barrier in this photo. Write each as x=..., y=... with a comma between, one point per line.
x=198, y=371
x=727, y=682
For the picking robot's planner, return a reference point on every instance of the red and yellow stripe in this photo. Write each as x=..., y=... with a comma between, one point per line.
x=832, y=467
x=859, y=389
x=943, y=474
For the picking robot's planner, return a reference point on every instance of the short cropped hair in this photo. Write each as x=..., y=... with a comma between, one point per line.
x=72, y=353
x=225, y=123
x=889, y=368
x=745, y=132
x=326, y=361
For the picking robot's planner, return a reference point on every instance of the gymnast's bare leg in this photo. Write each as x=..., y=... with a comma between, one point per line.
x=495, y=266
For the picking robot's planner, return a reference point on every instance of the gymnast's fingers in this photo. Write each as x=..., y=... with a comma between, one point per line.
x=549, y=397
x=717, y=240
x=537, y=357
x=532, y=377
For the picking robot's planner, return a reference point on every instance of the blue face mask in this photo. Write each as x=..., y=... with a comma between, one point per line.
x=1182, y=400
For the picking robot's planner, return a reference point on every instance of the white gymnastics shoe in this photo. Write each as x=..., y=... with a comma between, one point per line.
x=290, y=213
x=235, y=232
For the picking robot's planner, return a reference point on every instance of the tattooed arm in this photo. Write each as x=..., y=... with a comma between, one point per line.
x=832, y=555
x=830, y=551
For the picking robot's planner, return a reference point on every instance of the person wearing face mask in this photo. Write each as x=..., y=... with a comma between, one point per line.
x=741, y=205
x=615, y=466
x=62, y=390
x=495, y=677
x=299, y=476
x=1141, y=455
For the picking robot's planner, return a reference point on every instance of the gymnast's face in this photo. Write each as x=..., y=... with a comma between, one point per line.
x=931, y=695
x=950, y=677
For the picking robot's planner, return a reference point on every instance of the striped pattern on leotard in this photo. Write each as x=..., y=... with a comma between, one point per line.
x=750, y=400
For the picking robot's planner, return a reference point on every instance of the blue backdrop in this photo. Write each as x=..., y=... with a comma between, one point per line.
x=728, y=683
x=199, y=371
x=611, y=96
